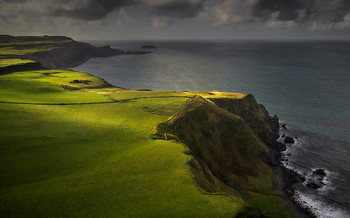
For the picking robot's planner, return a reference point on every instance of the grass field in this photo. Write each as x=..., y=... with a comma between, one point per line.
x=76, y=150
x=40, y=42
x=10, y=62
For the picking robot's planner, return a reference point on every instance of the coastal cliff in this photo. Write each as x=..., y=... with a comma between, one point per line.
x=225, y=137
x=57, y=52
x=219, y=138
x=231, y=141
x=255, y=115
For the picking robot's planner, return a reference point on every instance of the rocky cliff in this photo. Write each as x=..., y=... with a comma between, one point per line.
x=255, y=115
x=219, y=140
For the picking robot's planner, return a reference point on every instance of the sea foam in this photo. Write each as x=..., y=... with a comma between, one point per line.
x=317, y=207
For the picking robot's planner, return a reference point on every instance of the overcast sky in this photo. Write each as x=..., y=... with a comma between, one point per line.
x=177, y=19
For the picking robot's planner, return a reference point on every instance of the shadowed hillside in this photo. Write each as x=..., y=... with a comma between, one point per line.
x=254, y=114
x=219, y=138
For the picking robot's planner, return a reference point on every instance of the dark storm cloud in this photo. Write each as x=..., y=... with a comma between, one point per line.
x=95, y=9
x=294, y=13
x=77, y=9
x=179, y=8
x=14, y=1
x=301, y=10
x=287, y=9
x=224, y=12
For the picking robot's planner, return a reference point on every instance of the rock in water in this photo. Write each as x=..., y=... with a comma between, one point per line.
x=316, y=180
x=149, y=46
x=320, y=172
x=313, y=184
x=289, y=140
x=281, y=147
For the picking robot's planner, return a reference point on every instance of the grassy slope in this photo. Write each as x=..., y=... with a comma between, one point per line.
x=98, y=159
x=10, y=62
x=17, y=51
x=20, y=46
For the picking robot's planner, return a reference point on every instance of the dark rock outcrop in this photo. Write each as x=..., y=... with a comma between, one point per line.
x=320, y=172
x=289, y=140
x=314, y=184
x=280, y=146
x=255, y=115
x=316, y=179
x=149, y=46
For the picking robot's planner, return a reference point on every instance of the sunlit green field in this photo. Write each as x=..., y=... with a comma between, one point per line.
x=17, y=51
x=76, y=150
x=43, y=41
x=9, y=62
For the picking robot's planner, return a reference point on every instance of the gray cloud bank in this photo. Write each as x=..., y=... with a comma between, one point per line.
x=288, y=12
x=297, y=14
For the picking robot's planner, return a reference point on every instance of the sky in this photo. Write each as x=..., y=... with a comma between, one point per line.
x=177, y=19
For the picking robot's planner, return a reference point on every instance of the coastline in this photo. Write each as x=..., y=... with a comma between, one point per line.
x=282, y=179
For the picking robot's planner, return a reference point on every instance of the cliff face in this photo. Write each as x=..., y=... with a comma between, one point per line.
x=217, y=138
x=255, y=115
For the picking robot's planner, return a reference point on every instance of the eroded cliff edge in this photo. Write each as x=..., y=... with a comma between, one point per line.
x=229, y=140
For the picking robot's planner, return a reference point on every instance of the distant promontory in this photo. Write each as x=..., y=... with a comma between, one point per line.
x=56, y=52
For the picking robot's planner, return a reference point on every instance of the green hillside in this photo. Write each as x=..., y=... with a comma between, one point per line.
x=73, y=146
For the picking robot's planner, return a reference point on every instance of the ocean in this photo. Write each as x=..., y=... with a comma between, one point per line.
x=306, y=83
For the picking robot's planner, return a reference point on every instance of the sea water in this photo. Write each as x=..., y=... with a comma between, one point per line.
x=306, y=83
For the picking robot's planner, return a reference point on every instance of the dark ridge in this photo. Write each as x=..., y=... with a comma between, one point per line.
x=21, y=67
x=71, y=54
x=65, y=51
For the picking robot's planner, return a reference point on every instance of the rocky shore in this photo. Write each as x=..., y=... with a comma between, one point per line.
x=285, y=179
x=213, y=161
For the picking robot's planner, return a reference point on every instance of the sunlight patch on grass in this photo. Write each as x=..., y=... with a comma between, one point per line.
x=25, y=51
x=9, y=62
x=35, y=42
x=98, y=159
x=97, y=155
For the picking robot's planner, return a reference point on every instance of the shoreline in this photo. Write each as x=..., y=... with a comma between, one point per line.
x=283, y=180
x=282, y=177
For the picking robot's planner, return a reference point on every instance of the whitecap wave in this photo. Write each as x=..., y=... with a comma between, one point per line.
x=319, y=208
